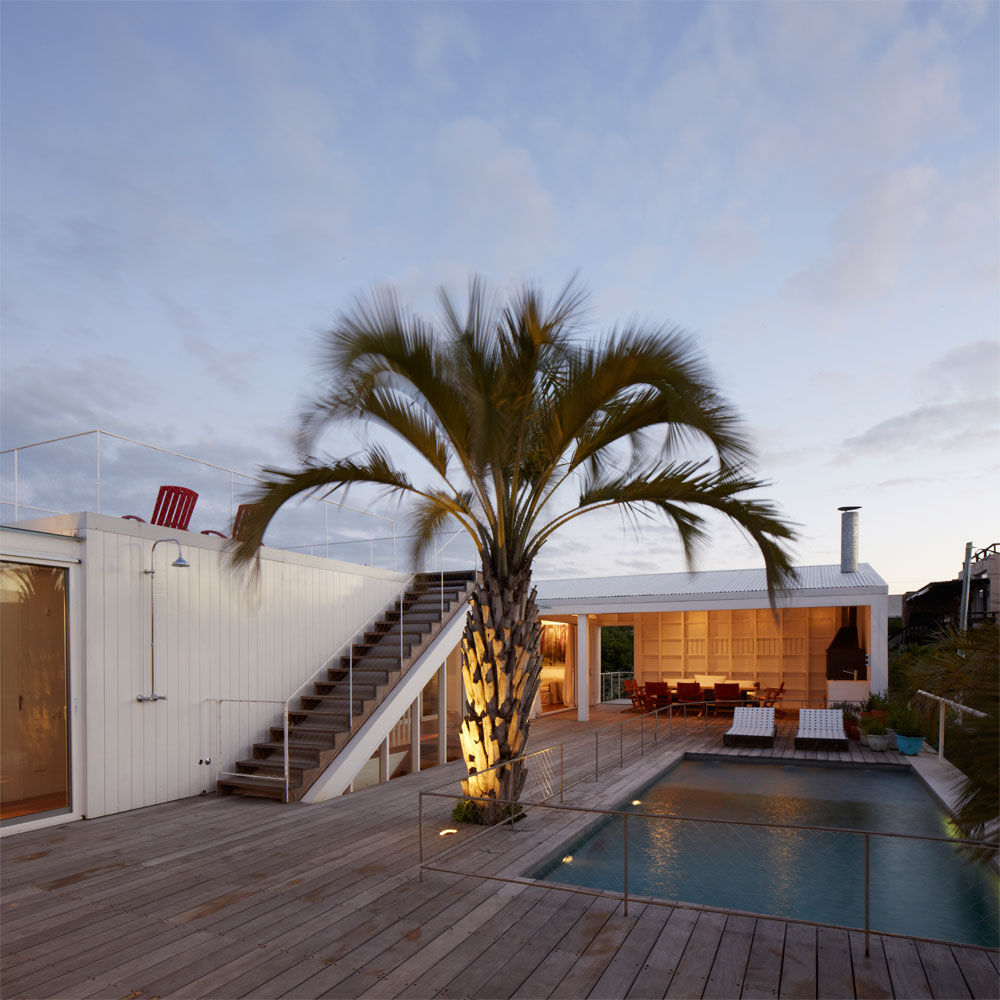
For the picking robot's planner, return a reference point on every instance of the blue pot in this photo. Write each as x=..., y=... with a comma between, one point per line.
x=909, y=745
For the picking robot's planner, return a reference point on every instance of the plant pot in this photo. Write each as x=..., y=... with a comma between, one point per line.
x=878, y=742
x=851, y=728
x=863, y=737
x=876, y=714
x=910, y=745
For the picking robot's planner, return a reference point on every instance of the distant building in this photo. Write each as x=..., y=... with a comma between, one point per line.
x=937, y=605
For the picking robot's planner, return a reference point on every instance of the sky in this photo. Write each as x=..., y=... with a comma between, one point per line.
x=193, y=192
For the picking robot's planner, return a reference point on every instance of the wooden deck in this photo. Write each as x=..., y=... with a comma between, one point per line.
x=180, y=901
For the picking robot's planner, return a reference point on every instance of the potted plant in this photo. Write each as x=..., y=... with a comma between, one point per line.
x=876, y=731
x=875, y=706
x=908, y=729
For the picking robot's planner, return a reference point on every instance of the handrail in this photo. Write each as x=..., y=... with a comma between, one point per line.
x=174, y=454
x=254, y=701
x=954, y=704
x=439, y=552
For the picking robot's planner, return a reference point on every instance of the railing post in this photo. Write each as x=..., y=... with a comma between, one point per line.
x=560, y=772
x=642, y=735
x=218, y=733
x=350, y=684
x=98, y=472
x=15, y=485
x=284, y=723
x=596, y=765
x=626, y=863
x=867, y=895
x=621, y=744
x=420, y=837
x=940, y=731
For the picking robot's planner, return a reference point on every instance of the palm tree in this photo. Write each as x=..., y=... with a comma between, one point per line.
x=509, y=410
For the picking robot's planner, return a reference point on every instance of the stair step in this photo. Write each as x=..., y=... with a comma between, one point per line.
x=249, y=784
x=299, y=754
x=271, y=769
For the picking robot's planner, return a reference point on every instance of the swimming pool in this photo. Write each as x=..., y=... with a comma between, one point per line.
x=917, y=887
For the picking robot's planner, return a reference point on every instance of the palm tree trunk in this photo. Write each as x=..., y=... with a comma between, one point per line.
x=501, y=665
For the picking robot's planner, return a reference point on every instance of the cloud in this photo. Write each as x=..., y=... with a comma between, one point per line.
x=439, y=38
x=872, y=242
x=491, y=194
x=959, y=425
x=967, y=370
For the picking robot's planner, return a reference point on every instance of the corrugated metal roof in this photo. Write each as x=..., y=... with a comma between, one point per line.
x=726, y=581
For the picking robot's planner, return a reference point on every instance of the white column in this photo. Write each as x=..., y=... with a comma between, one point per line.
x=416, y=710
x=582, y=668
x=442, y=710
x=878, y=645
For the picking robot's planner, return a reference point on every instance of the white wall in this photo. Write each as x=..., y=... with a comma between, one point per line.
x=216, y=637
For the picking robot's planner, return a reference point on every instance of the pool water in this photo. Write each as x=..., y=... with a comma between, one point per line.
x=918, y=888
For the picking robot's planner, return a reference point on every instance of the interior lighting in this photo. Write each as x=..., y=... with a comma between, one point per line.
x=444, y=833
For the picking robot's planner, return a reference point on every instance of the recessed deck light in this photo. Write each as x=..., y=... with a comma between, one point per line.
x=444, y=833
x=637, y=802
x=568, y=859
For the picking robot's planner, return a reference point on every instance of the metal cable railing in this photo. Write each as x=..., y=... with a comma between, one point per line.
x=669, y=858
x=62, y=486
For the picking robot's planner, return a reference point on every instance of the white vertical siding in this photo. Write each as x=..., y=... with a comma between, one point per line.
x=216, y=637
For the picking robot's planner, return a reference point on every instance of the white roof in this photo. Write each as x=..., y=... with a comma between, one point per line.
x=742, y=583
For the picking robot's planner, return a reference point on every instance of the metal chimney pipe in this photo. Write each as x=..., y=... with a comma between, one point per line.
x=849, y=539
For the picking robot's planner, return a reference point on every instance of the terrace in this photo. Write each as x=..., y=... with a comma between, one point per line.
x=180, y=900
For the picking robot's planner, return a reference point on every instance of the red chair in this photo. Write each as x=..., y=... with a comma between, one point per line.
x=658, y=695
x=243, y=512
x=174, y=507
x=727, y=697
x=689, y=691
x=636, y=693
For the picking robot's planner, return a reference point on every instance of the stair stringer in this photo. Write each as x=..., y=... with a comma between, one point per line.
x=337, y=778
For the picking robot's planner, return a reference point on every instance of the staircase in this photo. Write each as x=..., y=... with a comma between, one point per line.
x=322, y=726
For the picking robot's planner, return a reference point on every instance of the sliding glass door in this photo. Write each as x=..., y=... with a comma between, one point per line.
x=34, y=762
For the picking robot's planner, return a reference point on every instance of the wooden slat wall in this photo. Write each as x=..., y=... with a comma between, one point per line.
x=744, y=644
x=216, y=637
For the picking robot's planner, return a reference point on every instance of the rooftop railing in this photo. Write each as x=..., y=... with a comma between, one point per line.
x=109, y=473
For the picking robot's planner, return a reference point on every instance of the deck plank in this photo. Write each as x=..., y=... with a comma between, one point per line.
x=763, y=970
x=665, y=956
x=696, y=963
x=905, y=970
x=798, y=964
x=729, y=969
x=871, y=975
x=944, y=977
x=834, y=973
x=631, y=957
x=978, y=971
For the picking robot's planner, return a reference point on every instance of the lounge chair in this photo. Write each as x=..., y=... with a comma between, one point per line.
x=752, y=727
x=821, y=729
x=173, y=509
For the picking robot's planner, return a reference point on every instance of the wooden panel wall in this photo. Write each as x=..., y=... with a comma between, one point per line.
x=216, y=637
x=742, y=644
